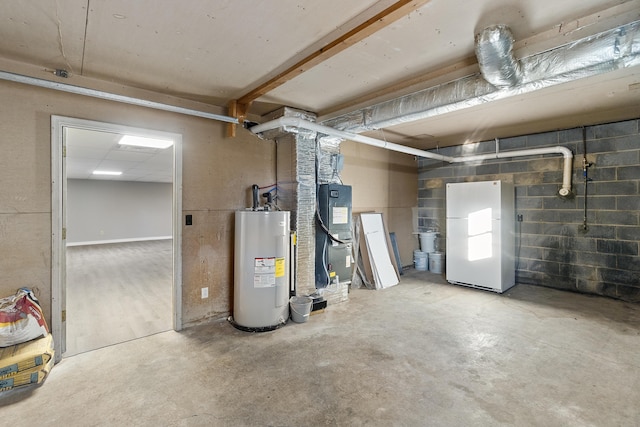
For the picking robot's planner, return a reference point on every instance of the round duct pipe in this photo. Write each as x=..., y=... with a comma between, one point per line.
x=494, y=50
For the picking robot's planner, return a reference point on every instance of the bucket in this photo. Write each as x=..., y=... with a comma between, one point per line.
x=435, y=262
x=428, y=241
x=421, y=260
x=300, y=308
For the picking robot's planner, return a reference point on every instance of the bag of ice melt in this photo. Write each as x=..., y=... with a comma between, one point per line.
x=21, y=318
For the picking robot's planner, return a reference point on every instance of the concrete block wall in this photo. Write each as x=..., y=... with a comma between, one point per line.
x=552, y=248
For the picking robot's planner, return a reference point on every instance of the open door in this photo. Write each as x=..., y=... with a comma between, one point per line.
x=60, y=128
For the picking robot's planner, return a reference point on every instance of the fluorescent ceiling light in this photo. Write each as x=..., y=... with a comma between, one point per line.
x=141, y=141
x=114, y=173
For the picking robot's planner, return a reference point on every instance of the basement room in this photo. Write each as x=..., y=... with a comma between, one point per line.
x=302, y=213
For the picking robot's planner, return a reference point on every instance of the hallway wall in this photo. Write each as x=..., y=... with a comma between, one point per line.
x=106, y=211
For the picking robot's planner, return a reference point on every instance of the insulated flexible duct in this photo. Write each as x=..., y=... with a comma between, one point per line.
x=494, y=50
x=588, y=57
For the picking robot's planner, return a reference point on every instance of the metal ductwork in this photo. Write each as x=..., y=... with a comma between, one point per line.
x=494, y=50
x=503, y=76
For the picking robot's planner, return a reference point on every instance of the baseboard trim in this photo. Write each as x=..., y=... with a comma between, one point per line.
x=129, y=240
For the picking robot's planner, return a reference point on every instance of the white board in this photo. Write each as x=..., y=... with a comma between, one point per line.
x=384, y=272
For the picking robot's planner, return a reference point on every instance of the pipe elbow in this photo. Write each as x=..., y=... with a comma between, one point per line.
x=565, y=152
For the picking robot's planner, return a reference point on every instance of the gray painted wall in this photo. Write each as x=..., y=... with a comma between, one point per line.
x=552, y=248
x=103, y=211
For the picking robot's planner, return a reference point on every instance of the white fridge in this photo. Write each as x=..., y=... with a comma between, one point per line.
x=480, y=235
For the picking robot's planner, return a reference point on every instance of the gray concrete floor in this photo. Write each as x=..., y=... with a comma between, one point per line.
x=419, y=354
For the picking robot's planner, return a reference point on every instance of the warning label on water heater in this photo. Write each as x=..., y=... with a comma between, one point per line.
x=264, y=272
x=280, y=267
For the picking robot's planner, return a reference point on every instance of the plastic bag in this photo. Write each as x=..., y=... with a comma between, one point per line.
x=21, y=318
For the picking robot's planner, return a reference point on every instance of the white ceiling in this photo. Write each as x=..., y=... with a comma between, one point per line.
x=217, y=51
x=89, y=150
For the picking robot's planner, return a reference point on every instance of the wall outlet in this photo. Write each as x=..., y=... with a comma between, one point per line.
x=204, y=292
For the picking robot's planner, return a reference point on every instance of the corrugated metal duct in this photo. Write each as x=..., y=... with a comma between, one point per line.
x=503, y=76
x=494, y=50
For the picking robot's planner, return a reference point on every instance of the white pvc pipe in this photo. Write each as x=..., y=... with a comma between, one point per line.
x=304, y=124
x=567, y=154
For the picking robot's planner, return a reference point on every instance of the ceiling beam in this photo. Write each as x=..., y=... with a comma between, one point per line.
x=386, y=17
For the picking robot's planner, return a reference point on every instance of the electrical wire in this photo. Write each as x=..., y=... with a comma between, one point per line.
x=326, y=230
x=325, y=262
x=319, y=220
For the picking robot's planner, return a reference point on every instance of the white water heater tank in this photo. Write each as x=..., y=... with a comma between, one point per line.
x=261, y=269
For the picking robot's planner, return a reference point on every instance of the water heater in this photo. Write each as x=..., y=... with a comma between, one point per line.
x=261, y=269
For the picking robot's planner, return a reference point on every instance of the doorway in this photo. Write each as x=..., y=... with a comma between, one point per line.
x=106, y=250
